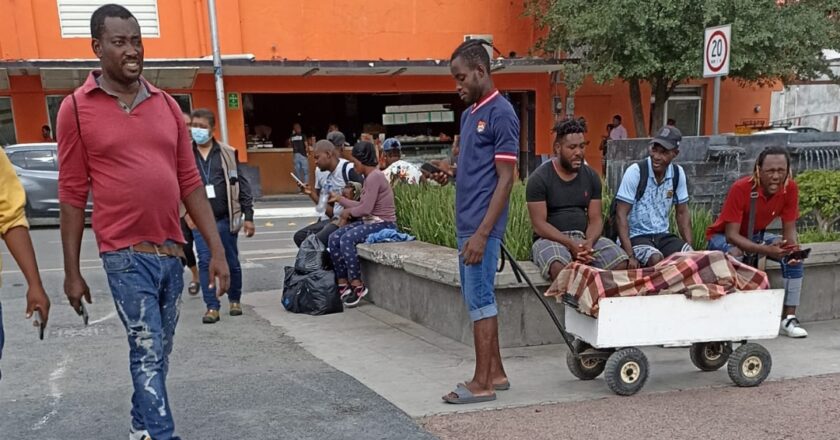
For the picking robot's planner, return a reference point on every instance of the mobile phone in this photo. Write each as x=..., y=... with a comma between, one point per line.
x=429, y=168
x=39, y=323
x=799, y=255
x=296, y=179
x=83, y=313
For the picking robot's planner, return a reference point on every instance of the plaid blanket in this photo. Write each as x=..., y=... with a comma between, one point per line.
x=706, y=275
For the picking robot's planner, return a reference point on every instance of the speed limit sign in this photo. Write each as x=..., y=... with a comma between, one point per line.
x=716, y=50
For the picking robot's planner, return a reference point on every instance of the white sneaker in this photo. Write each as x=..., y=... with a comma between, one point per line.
x=790, y=328
x=138, y=435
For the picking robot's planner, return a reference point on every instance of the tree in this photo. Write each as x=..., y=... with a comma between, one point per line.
x=819, y=194
x=661, y=41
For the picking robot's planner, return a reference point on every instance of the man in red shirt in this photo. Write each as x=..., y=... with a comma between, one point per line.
x=777, y=197
x=125, y=140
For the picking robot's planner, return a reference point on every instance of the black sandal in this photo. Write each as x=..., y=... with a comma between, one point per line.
x=193, y=288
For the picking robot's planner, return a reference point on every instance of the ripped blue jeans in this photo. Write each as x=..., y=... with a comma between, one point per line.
x=147, y=294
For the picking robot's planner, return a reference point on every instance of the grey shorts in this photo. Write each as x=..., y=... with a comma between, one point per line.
x=544, y=252
x=663, y=245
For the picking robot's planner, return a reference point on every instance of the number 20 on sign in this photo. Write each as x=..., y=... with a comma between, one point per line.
x=716, y=49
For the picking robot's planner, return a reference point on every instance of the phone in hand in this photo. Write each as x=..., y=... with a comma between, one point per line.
x=799, y=255
x=38, y=322
x=431, y=169
x=297, y=180
x=83, y=313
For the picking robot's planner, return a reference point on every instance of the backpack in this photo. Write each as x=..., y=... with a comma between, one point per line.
x=611, y=224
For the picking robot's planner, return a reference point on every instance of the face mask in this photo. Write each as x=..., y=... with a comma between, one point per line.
x=200, y=135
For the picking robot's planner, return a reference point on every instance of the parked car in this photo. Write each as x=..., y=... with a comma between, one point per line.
x=791, y=129
x=803, y=129
x=37, y=168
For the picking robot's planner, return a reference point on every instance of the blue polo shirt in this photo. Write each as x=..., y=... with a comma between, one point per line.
x=649, y=216
x=489, y=133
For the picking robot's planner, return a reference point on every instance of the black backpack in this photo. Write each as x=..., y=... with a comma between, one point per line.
x=611, y=223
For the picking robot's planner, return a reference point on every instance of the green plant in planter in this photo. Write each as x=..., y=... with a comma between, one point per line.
x=819, y=194
x=428, y=213
x=813, y=235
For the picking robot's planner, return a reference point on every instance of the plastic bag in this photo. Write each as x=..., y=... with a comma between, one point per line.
x=311, y=255
x=314, y=293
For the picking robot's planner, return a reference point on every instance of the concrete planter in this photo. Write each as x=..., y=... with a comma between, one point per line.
x=420, y=282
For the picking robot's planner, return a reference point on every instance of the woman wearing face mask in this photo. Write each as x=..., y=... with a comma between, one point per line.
x=230, y=198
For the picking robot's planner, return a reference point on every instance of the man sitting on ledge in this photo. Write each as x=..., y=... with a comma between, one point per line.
x=776, y=195
x=564, y=202
x=648, y=191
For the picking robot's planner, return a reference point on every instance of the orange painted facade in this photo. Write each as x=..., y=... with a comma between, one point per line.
x=337, y=30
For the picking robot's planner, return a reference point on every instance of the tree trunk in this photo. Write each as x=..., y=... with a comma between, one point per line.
x=638, y=110
x=661, y=92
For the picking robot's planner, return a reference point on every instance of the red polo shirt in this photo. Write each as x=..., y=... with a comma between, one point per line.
x=138, y=163
x=736, y=207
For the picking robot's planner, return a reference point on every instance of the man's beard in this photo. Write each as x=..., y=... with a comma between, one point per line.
x=567, y=165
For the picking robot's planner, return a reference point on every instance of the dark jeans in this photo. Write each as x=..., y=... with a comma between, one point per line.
x=322, y=229
x=230, y=243
x=342, y=247
x=147, y=294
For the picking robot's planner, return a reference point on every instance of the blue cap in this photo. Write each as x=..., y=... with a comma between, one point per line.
x=391, y=144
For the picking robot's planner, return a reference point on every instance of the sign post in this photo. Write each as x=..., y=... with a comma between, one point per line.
x=716, y=49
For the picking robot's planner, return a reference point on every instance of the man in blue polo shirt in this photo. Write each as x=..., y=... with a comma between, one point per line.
x=489, y=149
x=643, y=222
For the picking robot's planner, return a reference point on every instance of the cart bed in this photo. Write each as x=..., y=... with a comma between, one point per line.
x=675, y=319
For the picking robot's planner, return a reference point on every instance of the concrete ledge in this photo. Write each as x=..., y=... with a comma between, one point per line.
x=821, y=286
x=420, y=281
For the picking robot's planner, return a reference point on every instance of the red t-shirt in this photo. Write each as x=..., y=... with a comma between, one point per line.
x=139, y=165
x=736, y=207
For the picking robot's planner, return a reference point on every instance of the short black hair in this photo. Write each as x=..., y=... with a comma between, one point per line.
x=97, y=20
x=473, y=51
x=569, y=126
x=205, y=114
x=617, y=117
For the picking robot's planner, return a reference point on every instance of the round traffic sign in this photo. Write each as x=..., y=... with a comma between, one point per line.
x=717, y=51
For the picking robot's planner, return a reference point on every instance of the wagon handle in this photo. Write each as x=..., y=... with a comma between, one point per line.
x=520, y=275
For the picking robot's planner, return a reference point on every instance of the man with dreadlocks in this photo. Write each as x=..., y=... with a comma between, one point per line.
x=489, y=149
x=777, y=196
x=564, y=202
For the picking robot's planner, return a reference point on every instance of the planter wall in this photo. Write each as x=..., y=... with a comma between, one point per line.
x=419, y=281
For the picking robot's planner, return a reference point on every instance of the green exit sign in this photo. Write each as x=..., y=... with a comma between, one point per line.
x=233, y=101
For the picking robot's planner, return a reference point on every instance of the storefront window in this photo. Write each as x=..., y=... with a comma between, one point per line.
x=53, y=104
x=185, y=102
x=685, y=106
x=7, y=122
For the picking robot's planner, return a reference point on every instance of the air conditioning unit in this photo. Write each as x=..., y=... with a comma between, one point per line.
x=486, y=37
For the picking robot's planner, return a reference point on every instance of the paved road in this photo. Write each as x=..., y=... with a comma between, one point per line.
x=240, y=378
x=801, y=409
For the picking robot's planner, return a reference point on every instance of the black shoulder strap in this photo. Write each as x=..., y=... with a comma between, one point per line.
x=344, y=172
x=676, y=179
x=643, y=179
x=78, y=122
x=751, y=222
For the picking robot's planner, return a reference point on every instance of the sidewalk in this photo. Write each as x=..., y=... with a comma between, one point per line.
x=412, y=366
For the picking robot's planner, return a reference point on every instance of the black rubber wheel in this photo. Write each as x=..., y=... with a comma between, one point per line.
x=626, y=371
x=584, y=369
x=710, y=356
x=749, y=365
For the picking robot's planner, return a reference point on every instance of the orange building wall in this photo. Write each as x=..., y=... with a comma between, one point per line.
x=291, y=29
x=29, y=107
